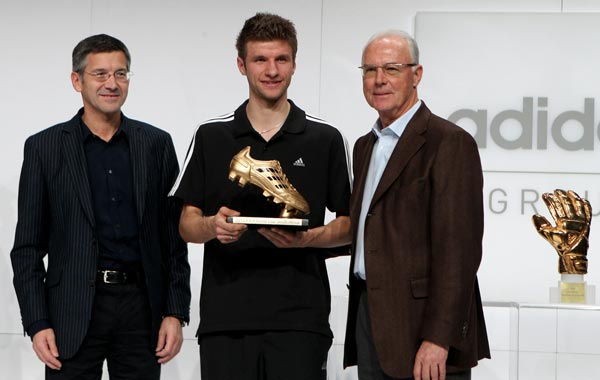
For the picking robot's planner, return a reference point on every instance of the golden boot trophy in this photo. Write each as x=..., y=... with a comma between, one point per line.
x=270, y=178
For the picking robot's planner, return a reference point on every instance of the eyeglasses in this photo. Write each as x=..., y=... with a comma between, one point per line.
x=389, y=69
x=103, y=76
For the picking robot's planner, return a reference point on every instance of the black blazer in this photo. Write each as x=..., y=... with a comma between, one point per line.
x=55, y=218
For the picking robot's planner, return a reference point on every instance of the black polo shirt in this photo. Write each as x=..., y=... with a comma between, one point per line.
x=251, y=284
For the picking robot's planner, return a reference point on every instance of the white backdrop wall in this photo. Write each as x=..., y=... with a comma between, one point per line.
x=478, y=55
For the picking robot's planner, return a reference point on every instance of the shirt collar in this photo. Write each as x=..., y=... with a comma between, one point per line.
x=399, y=125
x=86, y=133
x=293, y=124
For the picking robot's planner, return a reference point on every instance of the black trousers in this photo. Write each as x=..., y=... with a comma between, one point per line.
x=264, y=355
x=120, y=333
x=368, y=362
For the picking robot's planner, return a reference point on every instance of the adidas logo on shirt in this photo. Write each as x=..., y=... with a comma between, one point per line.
x=299, y=162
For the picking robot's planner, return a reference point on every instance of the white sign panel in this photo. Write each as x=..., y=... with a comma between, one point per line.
x=526, y=86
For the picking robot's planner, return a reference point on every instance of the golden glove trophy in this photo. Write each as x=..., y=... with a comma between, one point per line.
x=269, y=177
x=569, y=238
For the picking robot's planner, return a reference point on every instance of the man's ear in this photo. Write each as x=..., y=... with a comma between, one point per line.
x=76, y=81
x=417, y=75
x=241, y=65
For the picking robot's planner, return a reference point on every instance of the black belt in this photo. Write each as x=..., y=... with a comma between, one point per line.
x=116, y=277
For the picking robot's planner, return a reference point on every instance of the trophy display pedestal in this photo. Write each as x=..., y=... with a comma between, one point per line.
x=573, y=289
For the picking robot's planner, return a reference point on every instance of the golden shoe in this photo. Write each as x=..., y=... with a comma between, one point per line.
x=269, y=177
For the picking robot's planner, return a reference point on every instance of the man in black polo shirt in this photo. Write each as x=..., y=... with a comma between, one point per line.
x=93, y=198
x=265, y=299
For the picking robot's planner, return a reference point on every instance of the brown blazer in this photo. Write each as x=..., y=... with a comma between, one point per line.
x=423, y=247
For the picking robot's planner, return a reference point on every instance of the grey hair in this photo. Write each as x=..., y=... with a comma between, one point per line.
x=413, y=48
x=100, y=43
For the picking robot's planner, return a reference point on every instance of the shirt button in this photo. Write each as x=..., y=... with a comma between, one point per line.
x=113, y=199
x=109, y=171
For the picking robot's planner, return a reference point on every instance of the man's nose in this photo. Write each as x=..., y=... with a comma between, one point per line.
x=272, y=69
x=380, y=77
x=111, y=82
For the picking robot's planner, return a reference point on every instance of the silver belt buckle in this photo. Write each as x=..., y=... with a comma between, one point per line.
x=105, y=276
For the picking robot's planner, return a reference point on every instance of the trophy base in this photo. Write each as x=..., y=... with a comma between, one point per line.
x=255, y=221
x=573, y=289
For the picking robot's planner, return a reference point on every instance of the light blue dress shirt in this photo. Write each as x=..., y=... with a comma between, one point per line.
x=382, y=150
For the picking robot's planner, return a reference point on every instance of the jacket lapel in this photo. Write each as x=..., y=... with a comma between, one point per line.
x=137, y=151
x=76, y=162
x=408, y=145
x=364, y=149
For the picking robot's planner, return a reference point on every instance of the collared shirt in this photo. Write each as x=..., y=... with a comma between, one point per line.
x=382, y=150
x=111, y=183
x=251, y=284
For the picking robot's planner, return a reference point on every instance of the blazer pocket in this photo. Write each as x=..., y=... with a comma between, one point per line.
x=415, y=187
x=408, y=199
x=419, y=287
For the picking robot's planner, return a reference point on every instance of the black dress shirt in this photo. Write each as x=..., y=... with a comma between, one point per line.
x=111, y=183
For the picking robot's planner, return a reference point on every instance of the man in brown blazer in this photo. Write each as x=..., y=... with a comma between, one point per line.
x=417, y=222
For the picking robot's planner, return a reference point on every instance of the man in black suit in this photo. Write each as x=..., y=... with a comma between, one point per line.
x=93, y=197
